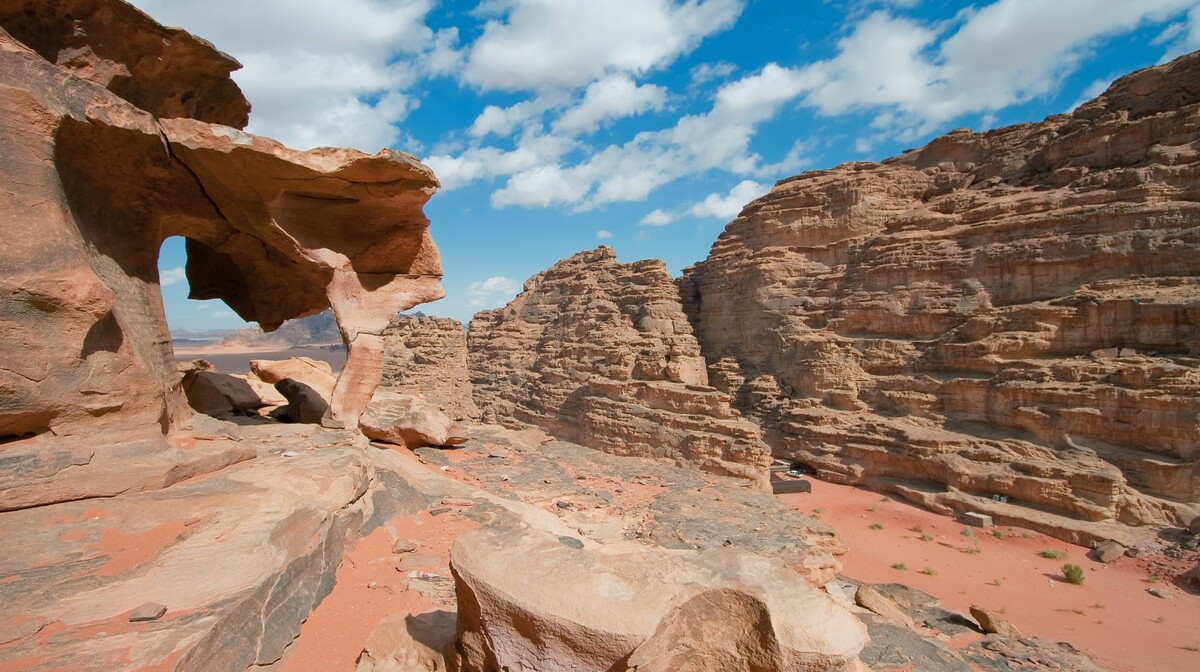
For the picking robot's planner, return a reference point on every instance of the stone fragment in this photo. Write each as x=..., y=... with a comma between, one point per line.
x=457, y=501
x=150, y=611
x=1162, y=593
x=977, y=519
x=405, y=419
x=528, y=602
x=992, y=623
x=1108, y=552
x=404, y=546
x=869, y=598
x=605, y=495
x=305, y=405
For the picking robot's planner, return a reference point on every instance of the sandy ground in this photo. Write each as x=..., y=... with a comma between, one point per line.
x=1110, y=616
x=235, y=359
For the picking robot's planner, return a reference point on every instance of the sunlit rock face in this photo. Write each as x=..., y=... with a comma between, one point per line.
x=1012, y=313
x=600, y=353
x=116, y=134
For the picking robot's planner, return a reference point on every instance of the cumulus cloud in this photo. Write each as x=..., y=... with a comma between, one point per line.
x=603, y=234
x=727, y=207
x=172, y=276
x=552, y=44
x=491, y=292
x=613, y=97
x=658, y=217
x=321, y=72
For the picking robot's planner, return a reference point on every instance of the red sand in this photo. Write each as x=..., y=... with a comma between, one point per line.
x=1110, y=616
x=335, y=633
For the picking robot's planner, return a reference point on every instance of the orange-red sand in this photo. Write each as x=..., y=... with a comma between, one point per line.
x=1110, y=616
x=369, y=587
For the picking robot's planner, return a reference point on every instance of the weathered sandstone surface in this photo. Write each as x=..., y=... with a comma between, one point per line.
x=428, y=356
x=600, y=353
x=1011, y=313
x=111, y=140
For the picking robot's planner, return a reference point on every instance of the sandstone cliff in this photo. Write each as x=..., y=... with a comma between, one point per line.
x=428, y=356
x=1012, y=313
x=93, y=182
x=600, y=353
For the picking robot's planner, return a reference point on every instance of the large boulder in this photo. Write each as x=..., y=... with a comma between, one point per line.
x=406, y=420
x=404, y=642
x=312, y=372
x=532, y=601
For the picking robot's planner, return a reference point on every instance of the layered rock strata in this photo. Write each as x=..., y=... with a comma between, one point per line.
x=428, y=356
x=600, y=353
x=94, y=181
x=1011, y=314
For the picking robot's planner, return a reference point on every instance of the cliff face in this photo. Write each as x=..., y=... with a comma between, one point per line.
x=106, y=150
x=600, y=353
x=428, y=356
x=1014, y=313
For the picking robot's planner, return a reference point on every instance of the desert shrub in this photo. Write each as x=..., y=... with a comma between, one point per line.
x=899, y=565
x=1053, y=553
x=1074, y=573
x=876, y=526
x=967, y=532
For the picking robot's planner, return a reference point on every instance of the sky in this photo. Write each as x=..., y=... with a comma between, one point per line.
x=559, y=125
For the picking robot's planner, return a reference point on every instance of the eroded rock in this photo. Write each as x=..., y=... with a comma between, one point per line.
x=405, y=420
x=1012, y=313
x=600, y=353
x=428, y=356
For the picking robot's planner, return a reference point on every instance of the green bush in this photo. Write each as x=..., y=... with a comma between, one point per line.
x=1053, y=553
x=1074, y=573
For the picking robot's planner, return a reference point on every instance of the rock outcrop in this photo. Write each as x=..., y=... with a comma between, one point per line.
x=1013, y=313
x=600, y=353
x=116, y=133
x=428, y=356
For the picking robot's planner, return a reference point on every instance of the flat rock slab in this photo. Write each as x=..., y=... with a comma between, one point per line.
x=239, y=581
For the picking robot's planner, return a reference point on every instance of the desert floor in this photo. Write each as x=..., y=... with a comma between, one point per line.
x=236, y=359
x=1111, y=616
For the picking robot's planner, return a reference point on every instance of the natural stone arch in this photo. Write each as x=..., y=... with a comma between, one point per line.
x=93, y=187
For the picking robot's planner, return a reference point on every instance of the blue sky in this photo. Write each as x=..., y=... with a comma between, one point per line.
x=557, y=125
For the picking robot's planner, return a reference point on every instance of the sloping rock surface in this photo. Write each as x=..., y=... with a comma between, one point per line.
x=1013, y=313
x=600, y=353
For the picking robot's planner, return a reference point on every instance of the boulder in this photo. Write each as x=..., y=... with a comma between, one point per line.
x=305, y=404
x=529, y=601
x=202, y=387
x=428, y=356
x=314, y=373
x=405, y=420
x=405, y=642
x=992, y=623
x=1108, y=552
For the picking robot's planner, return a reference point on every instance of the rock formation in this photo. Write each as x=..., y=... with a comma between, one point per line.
x=116, y=133
x=600, y=353
x=428, y=356
x=1013, y=313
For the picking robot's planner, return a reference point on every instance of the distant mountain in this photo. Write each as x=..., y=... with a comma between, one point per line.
x=316, y=329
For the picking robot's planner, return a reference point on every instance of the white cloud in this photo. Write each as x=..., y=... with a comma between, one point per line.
x=613, y=97
x=555, y=44
x=533, y=149
x=727, y=207
x=603, y=234
x=321, y=72
x=706, y=72
x=491, y=292
x=658, y=217
x=1181, y=37
x=543, y=186
x=172, y=276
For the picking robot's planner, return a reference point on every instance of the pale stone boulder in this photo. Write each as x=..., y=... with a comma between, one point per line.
x=528, y=600
x=406, y=420
x=404, y=642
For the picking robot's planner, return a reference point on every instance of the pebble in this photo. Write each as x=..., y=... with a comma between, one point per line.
x=499, y=453
x=457, y=501
x=1159, y=592
x=438, y=512
x=571, y=542
x=605, y=495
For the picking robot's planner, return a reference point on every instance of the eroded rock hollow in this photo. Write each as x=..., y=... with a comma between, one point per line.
x=116, y=134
